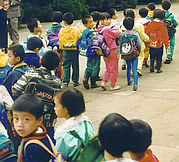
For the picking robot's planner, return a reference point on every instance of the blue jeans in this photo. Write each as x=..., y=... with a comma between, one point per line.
x=132, y=63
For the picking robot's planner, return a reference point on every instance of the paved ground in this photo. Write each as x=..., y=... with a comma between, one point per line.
x=156, y=101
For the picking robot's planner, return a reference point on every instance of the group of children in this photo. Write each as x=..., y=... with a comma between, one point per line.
x=116, y=134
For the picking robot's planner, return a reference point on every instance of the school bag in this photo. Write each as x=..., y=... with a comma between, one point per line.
x=3, y=73
x=170, y=25
x=68, y=37
x=56, y=156
x=44, y=88
x=84, y=44
x=6, y=150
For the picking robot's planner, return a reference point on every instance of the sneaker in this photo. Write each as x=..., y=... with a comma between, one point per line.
x=129, y=83
x=167, y=61
x=139, y=73
x=115, y=88
x=135, y=88
x=124, y=67
x=146, y=65
x=85, y=84
x=98, y=78
x=159, y=71
x=94, y=86
x=75, y=84
x=151, y=71
x=103, y=85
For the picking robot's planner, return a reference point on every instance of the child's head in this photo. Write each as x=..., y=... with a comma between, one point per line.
x=34, y=44
x=128, y=23
x=143, y=12
x=151, y=6
x=115, y=134
x=166, y=4
x=34, y=26
x=69, y=103
x=88, y=21
x=68, y=18
x=113, y=13
x=57, y=17
x=50, y=60
x=95, y=15
x=16, y=54
x=27, y=112
x=130, y=13
x=142, y=138
x=105, y=19
x=158, y=14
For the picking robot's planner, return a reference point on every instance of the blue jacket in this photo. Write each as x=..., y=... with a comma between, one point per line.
x=32, y=59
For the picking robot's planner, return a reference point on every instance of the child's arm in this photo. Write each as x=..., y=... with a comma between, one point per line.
x=173, y=19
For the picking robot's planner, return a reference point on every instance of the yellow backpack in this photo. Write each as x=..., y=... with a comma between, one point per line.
x=68, y=37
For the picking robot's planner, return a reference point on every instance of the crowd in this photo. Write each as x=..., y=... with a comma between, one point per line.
x=36, y=75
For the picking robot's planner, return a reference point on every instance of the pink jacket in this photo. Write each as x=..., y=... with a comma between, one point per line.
x=110, y=35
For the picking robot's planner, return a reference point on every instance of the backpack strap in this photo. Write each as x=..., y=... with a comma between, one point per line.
x=54, y=153
x=20, y=70
x=169, y=15
x=154, y=157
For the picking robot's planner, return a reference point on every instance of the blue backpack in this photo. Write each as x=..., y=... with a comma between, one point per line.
x=3, y=73
x=6, y=150
x=84, y=44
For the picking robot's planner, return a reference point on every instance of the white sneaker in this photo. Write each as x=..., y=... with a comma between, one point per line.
x=115, y=88
x=103, y=85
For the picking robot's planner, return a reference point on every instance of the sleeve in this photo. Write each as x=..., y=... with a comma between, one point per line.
x=138, y=42
x=144, y=37
x=19, y=87
x=115, y=33
x=174, y=20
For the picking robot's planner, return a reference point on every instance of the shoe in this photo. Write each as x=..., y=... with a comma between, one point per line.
x=98, y=78
x=167, y=61
x=129, y=83
x=75, y=84
x=151, y=71
x=85, y=84
x=159, y=71
x=115, y=88
x=94, y=86
x=139, y=73
x=135, y=88
x=124, y=67
x=103, y=85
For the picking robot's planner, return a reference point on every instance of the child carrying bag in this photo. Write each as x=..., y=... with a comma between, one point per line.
x=57, y=157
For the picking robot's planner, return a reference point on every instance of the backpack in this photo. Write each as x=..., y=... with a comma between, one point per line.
x=3, y=73
x=6, y=150
x=127, y=44
x=56, y=156
x=99, y=45
x=171, y=26
x=84, y=44
x=45, y=88
x=68, y=38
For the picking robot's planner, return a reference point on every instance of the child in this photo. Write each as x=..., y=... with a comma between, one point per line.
x=35, y=29
x=132, y=60
x=114, y=16
x=151, y=8
x=158, y=35
x=111, y=61
x=142, y=140
x=55, y=27
x=166, y=4
x=68, y=37
x=27, y=113
x=115, y=135
x=16, y=56
x=32, y=59
x=70, y=105
x=92, y=61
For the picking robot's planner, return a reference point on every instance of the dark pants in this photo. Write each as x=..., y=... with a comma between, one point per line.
x=70, y=58
x=155, y=53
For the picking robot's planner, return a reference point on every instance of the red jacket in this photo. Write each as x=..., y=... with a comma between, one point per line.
x=149, y=157
x=157, y=33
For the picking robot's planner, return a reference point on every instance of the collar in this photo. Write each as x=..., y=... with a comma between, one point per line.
x=18, y=65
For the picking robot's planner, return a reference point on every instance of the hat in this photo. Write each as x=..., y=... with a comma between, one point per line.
x=3, y=59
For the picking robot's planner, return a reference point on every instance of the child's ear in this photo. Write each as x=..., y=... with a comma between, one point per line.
x=18, y=59
x=41, y=120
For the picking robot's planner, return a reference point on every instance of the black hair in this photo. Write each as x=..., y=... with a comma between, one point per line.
x=124, y=12
x=115, y=134
x=68, y=18
x=95, y=15
x=151, y=6
x=166, y=4
x=32, y=23
x=18, y=51
x=104, y=15
x=57, y=16
x=158, y=14
x=111, y=12
x=128, y=23
x=29, y=103
x=50, y=60
x=142, y=138
x=130, y=13
x=72, y=99
x=33, y=43
x=143, y=12
x=85, y=19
